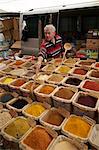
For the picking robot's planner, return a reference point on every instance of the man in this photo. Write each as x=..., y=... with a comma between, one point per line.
x=51, y=47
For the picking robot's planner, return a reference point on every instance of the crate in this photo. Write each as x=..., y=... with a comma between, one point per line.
x=18, y=128
x=92, y=77
x=44, y=97
x=87, y=120
x=20, y=106
x=60, y=102
x=72, y=85
x=74, y=143
x=94, y=136
x=46, y=114
x=80, y=109
x=38, y=111
x=4, y=117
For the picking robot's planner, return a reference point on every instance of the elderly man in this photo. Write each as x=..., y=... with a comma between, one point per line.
x=51, y=46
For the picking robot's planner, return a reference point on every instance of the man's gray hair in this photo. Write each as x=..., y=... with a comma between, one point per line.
x=50, y=27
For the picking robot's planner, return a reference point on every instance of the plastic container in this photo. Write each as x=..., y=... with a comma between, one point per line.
x=72, y=81
x=94, y=137
x=15, y=129
x=4, y=117
x=80, y=106
x=70, y=143
x=56, y=119
x=93, y=74
x=90, y=86
x=17, y=104
x=55, y=79
x=37, y=138
x=58, y=101
x=45, y=97
x=62, y=69
x=35, y=110
x=84, y=126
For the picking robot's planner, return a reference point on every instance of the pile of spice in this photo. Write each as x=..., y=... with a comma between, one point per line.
x=38, y=139
x=64, y=93
x=53, y=117
x=35, y=110
x=7, y=80
x=64, y=69
x=28, y=64
x=73, y=81
x=18, y=82
x=17, y=128
x=29, y=73
x=95, y=74
x=47, y=89
x=77, y=126
x=50, y=68
x=56, y=78
x=64, y=145
x=29, y=85
x=97, y=65
x=4, y=117
x=18, y=72
x=19, y=103
x=5, y=97
x=80, y=71
x=91, y=85
x=18, y=62
x=87, y=100
x=7, y=70
x=70, y=60
x=87, y=63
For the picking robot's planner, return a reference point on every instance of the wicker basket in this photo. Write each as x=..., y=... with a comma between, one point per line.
x=44, y=97
x=81, y=139
x=46, y=114
x=65, y=103
x=94, y=135
x=71, y=85
x=24, y=146
x=17, y=128
x=79, y=109
x=46, y=107
x=61, y=138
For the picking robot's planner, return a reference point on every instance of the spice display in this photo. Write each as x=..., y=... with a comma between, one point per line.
x=64, y=69
x=46, y=89
x=64, y=93
x=38, y=139
x=87, y=100
x=28, y=86
x=19, y=104
x=91, y=85
x=18, y=82
x=17, y=128
x=7, y=80
x=53, y=117
x=80, y=71
x=77, y=126
x=35, y=110
x=56, y=78
x=95, y=74
x=73, y=81
x=5, y=97
x=64, y=145
x=4, y=117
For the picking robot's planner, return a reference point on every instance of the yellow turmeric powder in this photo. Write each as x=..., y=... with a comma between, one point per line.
x=35, y=110
x=64, y=69
x=7, y=80
x=46, y=89
x=77, y=126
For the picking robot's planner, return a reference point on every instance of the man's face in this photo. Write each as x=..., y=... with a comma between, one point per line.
x=49, y=34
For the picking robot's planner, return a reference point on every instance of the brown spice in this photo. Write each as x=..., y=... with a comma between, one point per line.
x=38, y=139
x=54, y=118
x=95, y=74
x=64, y=93
x=80, y=71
